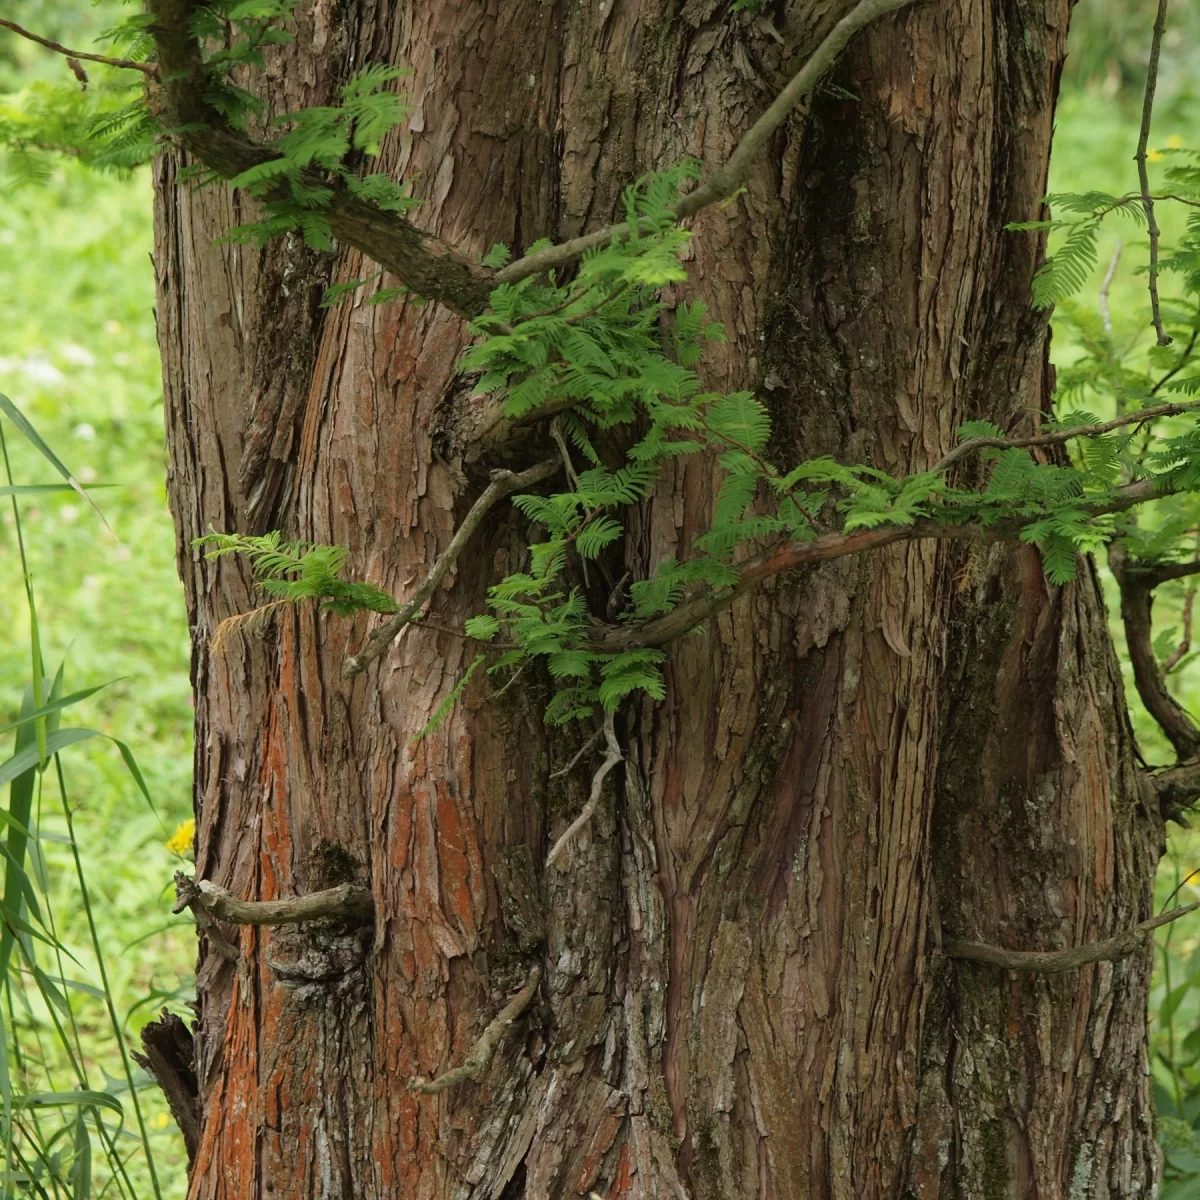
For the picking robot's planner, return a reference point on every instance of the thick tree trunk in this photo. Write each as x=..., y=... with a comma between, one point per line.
x=741, y=994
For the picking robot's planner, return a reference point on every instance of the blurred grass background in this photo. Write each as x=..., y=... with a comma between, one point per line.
x=78, y=355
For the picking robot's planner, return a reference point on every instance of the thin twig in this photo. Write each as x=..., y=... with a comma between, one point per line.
x=1054, y=962
x=1137, y=590
x=1183, y=361
x=125, y=63
x=1059, y=436
x=346, y=900
x=480, y=1055
x=579, y=754
x=504, y=483
x=726, y=180
x=1108, y=278
x=1160, y=22
x=611, y=759
x=1185, y=643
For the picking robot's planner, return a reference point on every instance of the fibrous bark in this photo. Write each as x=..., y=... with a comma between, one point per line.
x=740, y=993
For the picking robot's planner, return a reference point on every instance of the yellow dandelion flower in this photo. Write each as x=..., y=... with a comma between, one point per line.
x=1174, y=142
x=1154, y=156
x=162, y=1120
x=180, y=842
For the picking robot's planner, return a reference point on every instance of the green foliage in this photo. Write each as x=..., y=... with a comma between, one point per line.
x=296, y=571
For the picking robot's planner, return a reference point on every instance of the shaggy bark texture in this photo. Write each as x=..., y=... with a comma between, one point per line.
x=740, y=990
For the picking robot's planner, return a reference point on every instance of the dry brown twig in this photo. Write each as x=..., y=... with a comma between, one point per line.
x=611, y=759
x=1054, y=962
x=480, y=1055
x=127, y=64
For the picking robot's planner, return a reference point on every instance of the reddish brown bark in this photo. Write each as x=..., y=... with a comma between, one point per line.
x=742, y=995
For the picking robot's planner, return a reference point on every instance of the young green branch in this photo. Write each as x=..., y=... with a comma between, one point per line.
x=127, y=64
x=1160, y=22
x=726, y=180
x=1055, y=962
x=480, y=1055
x=503, y=483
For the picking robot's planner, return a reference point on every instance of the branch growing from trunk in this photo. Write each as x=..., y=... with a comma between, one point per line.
x=426, y=264
x=726, y=180
x=346, y=900
x=1055, y=962
x=503, y=483
x=1178, y=787
x=611, y=759
x=480, y=1055
x=1137, y=593
x=692, y=612
x=127, y=64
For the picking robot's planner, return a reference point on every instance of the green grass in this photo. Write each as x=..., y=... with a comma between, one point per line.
x=78, y=356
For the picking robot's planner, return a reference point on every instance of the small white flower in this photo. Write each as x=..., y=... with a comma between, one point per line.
x=111, y=327
x=68, y=514
x=78, y=356
x=87, y=475
x=85, y=432
x=41, y=371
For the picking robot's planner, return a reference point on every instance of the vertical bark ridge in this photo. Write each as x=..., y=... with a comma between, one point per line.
x=741, y=992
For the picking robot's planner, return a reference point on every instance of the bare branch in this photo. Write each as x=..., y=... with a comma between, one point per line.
x=480, y=1055
x=579, y=754
x=1054, y=962
x=127, y=64
x=1060, y=436
x=726, y=180
x=1185, y=642
x=1137, y=589
x=424, y=263
x=1160, y=22
x=611, y=759
x=346, y=900
x=1108, y=278
x=504, y=483
x=1177, y=787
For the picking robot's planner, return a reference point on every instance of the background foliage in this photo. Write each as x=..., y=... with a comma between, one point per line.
x=77, y=354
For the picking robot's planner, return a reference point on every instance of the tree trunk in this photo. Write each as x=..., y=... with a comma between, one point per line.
x=741, y=991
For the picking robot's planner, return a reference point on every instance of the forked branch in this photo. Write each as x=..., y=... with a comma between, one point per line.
x=480, y=1055
x=1055, y=962
x=504, y=483
x=346, y=900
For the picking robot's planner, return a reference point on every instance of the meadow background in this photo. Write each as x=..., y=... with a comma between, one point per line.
x=78, y=358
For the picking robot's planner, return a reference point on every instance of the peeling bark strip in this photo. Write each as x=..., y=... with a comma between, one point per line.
x=741, y=995
x=345, y=900
x=169, y=1056
x=1053, y=962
